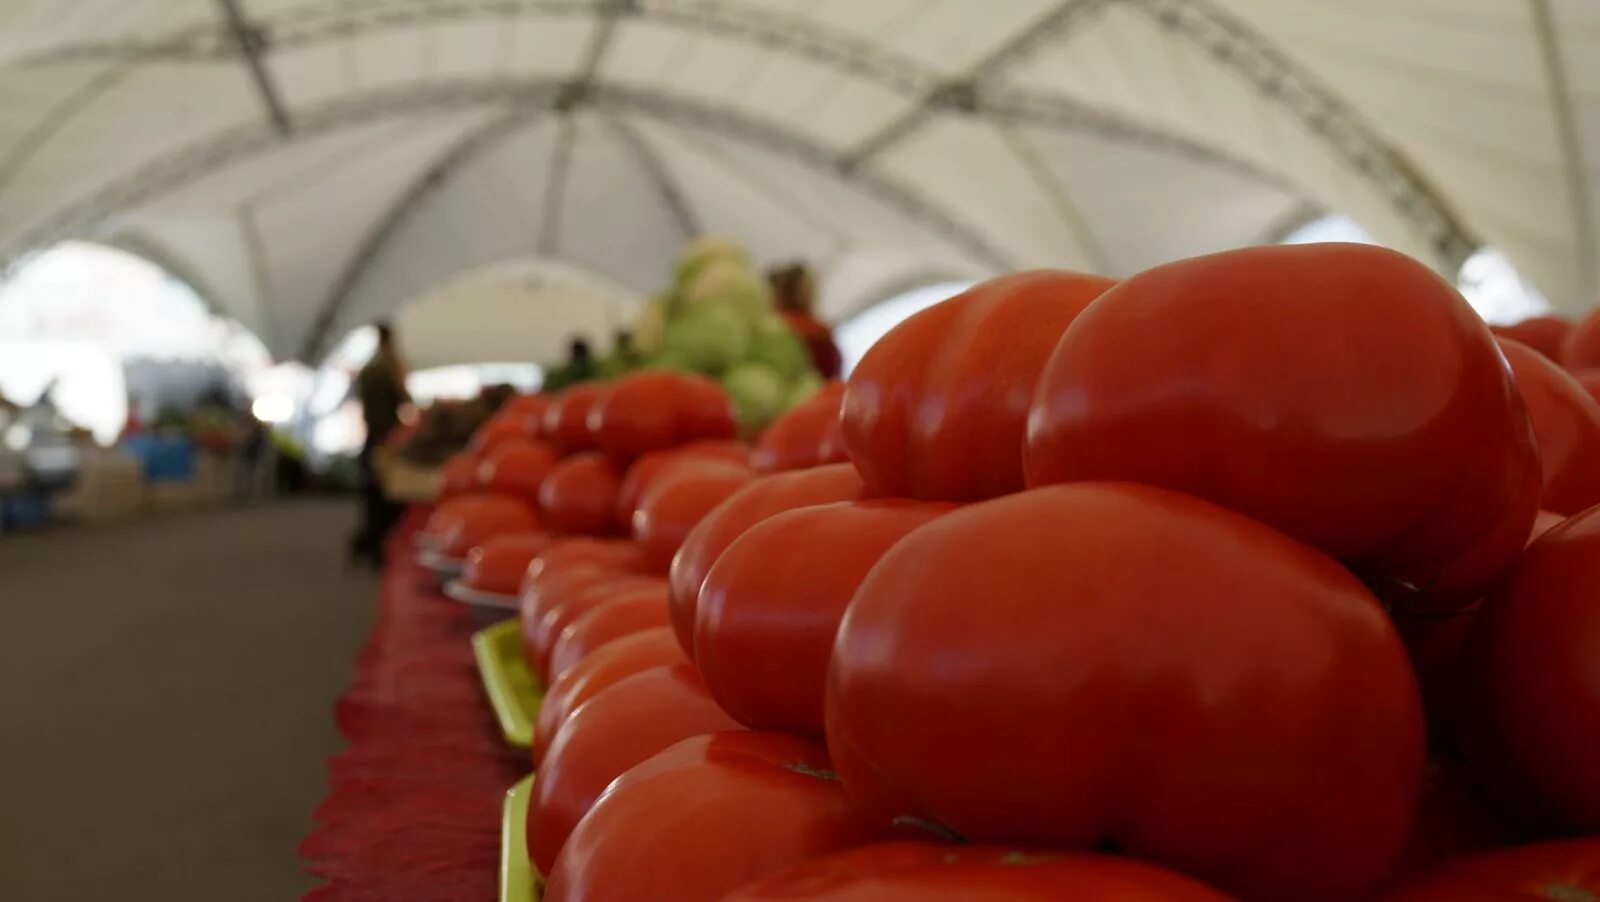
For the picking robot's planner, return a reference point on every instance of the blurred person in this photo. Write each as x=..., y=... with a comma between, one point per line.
x=580, y=367
x=381, y=389
x=795, y=292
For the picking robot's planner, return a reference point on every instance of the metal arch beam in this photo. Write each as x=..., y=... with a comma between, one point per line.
x=1570, y=136
x=1060, y=199
x=655, y=169
x=956, y=94
x=467, y=148
x=555, y=182
x=1290, y=87
x=251, y=44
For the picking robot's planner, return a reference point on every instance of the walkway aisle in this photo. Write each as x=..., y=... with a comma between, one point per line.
x=165, y=701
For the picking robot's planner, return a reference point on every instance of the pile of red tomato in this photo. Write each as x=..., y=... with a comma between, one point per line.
x=1267, y=575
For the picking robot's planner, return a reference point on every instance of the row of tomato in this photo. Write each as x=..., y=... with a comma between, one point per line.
x=1210, y=583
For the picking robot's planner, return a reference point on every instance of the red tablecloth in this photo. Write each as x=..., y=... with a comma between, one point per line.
x=413, y=805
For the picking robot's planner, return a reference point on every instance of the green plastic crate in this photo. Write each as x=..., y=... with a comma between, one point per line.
x=519, y=882
x=513, y=690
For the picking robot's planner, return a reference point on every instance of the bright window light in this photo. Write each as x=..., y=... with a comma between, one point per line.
x=1497, y=291
x=273, y=408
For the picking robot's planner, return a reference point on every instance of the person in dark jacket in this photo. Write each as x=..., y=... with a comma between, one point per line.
x=381, y=388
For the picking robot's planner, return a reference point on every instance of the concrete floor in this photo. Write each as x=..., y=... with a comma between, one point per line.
x=165, y=694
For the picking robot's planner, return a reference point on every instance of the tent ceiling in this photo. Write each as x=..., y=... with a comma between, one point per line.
x=309, y=164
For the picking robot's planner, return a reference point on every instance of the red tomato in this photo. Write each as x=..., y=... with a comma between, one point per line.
x=1437, y=646
x=619, y=727
x=580, y=495
x=1590, y=380
x=655, y=409
x=494, y=432
x=1114, y=663
x=771, y=605
x=458, y=476
x=943, y=872
x=578, y=552
x=1450, y=822
x=937, y=408
x=607, y=665
x=1534, y=687
x=1541, y=333
x=650, y=467
x=516, y=467
x=680, y=498
x=461, y=524
x=808, y=435
x=757, y=501
x=527, y=411
x=1557, y=872
x=1566, y=422
x=563, y=600
x=627, y=611
x=704, y=817
x=1543, y=523
x=1580, y=349
x=1343, y=394
x=566, y=420
x=499, y=564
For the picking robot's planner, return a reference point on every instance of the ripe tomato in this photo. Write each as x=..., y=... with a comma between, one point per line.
x=1543, y=523
x=458, y=476
x=680, y=498
x=650, y=467
x=1541, y=333
x=1116, y=663
x=1437, y=647
x=499, y=564
x=808, y=435
x=516, y=467
x=580, y=495
x=566, y=420
x=545, y=614
x=1556, y=871
x=626, y=611
x=494, y=432
x=771, y=605
x=1343, y=394
x=704, y=817
x=463, y=523
x=944, y=872
x=608, y=664
x=937, y=408
x=655, y=409
x=1451, y=822
x=1590, y=380
x=622, y=725
x=579, y=552
x=1580, y=349
x=527, y=411
x=1566, y=422
x=1533, y=687
x=758, y=500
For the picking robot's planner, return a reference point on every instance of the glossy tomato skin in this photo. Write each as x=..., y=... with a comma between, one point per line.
x=1120, y=664
x=566, y=420
x=758, y=500
x=621, y=726
x=704, y=817
x=807, y=435
x=628, y=611
x=1544, y=334
x=1533, y=696
x=656, y=409
x=650, y=467
x=1566, y=423
x=568, y=600
x=465, y=522
x=459, y=475
x=580, y=495
x=494, y=432
x=1590, y=380
x=937, y=408
x=944, y=872
x=1342, y=394
x=768, y=613
x=1555, y=872
x=606, y=666
x=499, y=564
x=1580, y=348
x=527, y=411
x=678, y=500
x=516, y=467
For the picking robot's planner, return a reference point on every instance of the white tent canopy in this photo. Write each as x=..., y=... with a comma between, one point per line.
x=309, y=164
x=522, y=299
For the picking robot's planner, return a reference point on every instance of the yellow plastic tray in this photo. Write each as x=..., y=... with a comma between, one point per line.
x=519, y=882
x=513, y=690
